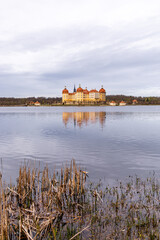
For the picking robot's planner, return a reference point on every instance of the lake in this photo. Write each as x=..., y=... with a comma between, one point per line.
x=109, y=142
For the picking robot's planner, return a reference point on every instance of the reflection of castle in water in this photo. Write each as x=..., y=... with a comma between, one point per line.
x=80, y=118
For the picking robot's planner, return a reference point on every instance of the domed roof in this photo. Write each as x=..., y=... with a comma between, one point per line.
x=85, y=91
x=79, y=89
x=93, y=90
x=65, y=90
x=102, y=90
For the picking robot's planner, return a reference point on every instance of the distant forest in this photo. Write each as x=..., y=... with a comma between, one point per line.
x=129, y=99
x=58, y=100
x=27, y=101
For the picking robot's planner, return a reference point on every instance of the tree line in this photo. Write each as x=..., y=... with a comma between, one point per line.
x=129, y=99
x=26, y=101
x=58, y=100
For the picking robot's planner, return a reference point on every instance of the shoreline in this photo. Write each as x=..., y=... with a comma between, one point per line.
x=76, y=105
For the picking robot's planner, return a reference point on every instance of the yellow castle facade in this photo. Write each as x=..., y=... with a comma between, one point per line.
x=83, y=96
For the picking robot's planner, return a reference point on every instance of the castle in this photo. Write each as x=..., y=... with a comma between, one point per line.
x=83, y=96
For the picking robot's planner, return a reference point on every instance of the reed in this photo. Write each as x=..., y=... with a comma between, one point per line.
x=64, y=205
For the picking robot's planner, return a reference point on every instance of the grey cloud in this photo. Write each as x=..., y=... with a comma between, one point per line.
x=105, y=61
x=75, y=36
x=122, y=70
x=96, y=55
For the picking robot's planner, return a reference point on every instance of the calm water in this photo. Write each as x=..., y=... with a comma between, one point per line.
x=110, y=142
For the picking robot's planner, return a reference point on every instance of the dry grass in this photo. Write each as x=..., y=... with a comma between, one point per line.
x=62, y=206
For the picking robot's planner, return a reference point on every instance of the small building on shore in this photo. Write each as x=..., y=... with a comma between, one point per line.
x=30, y=103
x=37, y=103
x=112, y=103
x=134, y=102
x=122, y=103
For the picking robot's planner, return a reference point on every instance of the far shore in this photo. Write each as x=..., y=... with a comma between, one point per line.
x=79, y=105
x=57, y=101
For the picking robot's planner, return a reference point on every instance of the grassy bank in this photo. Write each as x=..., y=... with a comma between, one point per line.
x=66, y=206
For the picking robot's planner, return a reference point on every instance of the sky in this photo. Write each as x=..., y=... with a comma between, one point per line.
x=48, y=44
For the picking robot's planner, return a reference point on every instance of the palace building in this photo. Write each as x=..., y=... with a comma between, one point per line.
x=83, y=96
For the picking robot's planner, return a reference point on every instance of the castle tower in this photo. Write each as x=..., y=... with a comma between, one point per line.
x=65, y=94
x=102, y=94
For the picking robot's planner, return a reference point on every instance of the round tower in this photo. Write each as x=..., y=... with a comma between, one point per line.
x=65, y=95
x=102, y=94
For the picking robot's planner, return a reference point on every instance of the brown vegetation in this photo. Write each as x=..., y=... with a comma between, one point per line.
x=62, y=206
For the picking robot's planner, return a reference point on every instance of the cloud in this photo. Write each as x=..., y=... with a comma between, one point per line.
x=114, y=45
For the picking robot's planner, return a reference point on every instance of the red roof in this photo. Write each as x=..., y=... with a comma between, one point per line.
x=79, y=89
x=93, y=90
x=65, y=91
x=31, y=103
x=85, y=91
x=102, y=90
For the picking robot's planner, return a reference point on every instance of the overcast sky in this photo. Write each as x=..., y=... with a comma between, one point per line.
x=48, y=44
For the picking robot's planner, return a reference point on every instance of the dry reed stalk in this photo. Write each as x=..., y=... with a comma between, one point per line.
x=81, y=182
x=38, y=183
x=24, y=183
x=78, y=181
x=19, y=187
x=43, y=187
x=73, y=182
x=80, y=232
x=64, y=180
x=70, y=179
x=5, y=215
x=33, y=184
x=26, y=232
x=1, y=212
x=61, y=180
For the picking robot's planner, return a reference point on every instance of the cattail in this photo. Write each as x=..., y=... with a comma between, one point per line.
x=78, y=181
